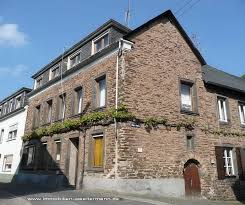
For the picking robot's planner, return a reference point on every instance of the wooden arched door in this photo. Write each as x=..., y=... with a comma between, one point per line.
x=192, y=180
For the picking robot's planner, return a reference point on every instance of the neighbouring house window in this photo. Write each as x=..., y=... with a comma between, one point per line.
x=1, y=111
x=100, y=43
x=78, y=100
x=10, y=106
x=39, y=82
x=62, y=106
x=1, y=135
x=55, y=72
x=12, y=132
x=98, y=151
x=58, y=150
x=101, y=92
x=5, y=108
x=7, y=163
x=222, y=107
x=186, y=96
x=49, y=111
x=190, y=142
x=18, y=102
x=37, y=116
x=75, y=59
x=241, y=107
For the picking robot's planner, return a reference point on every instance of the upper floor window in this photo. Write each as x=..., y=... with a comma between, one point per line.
x=241, y=107
x=1, y=135
x=78, y=100
x=100, y=43
x=62, y=106
x=75, y=59
x=49, y=111
x=222, y=107
x=39, y=82
x=13, y=132
x=17, y=102
x=1, y=111
x=37, y=116
x=101, y=91
x=55, y=72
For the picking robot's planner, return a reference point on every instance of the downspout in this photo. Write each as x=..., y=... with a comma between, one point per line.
x=116, y=106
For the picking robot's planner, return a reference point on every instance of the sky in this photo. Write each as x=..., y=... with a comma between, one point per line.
x=33, y=33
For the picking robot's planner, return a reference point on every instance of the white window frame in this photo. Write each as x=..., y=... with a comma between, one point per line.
x=37, y=79
x=190, y=85
x=10, y=105
x=221, y=113
x=5, y=110
x=4, y=163
x=50, y=111
x=58, y=66
x=1, y=135
x=241, y=107
x=97, y=39
x=12, y=129
x=72, y=56
x=16, y=98
x=228, y=154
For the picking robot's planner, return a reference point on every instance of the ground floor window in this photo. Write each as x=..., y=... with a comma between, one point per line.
x=7, y=163
x=230, y=162
x=28, y=156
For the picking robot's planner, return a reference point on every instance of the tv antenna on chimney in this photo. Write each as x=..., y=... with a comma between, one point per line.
x=128, y=14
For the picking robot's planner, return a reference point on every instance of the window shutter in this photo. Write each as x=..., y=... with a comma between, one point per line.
x=220, y=162
x=94, y=97
x=57, y=108
x=194, y=98
x=240, y=153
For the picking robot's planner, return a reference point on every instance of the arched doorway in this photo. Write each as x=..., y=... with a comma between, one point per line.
x=191, y=177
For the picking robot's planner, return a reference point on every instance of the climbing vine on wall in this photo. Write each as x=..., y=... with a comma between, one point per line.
x=121, y=114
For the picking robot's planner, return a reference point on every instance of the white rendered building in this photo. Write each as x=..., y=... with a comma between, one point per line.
x=13, y=111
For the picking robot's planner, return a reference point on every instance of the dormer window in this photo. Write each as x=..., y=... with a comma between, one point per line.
x=17, y=102
x=75, y=59
x=5, y=108
x=39, y=82
x=10, y=106
x=55, y=72
x=100, y=43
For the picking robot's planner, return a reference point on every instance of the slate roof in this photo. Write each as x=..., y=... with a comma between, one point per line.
x=220, y=78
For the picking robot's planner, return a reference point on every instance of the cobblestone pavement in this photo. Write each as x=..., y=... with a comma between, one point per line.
x=21, y=195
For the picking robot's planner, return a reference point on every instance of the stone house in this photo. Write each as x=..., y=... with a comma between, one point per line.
x=13, y=111
x=187, y=134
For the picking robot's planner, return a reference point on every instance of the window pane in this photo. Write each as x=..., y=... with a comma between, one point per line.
x=79, y=100
x=186, y=96
x=106, y=40
x=222, y=109
x=30, y=155
x=102, y=84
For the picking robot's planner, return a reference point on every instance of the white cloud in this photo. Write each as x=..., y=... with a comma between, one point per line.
x=11, y=36
x=14, y=71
